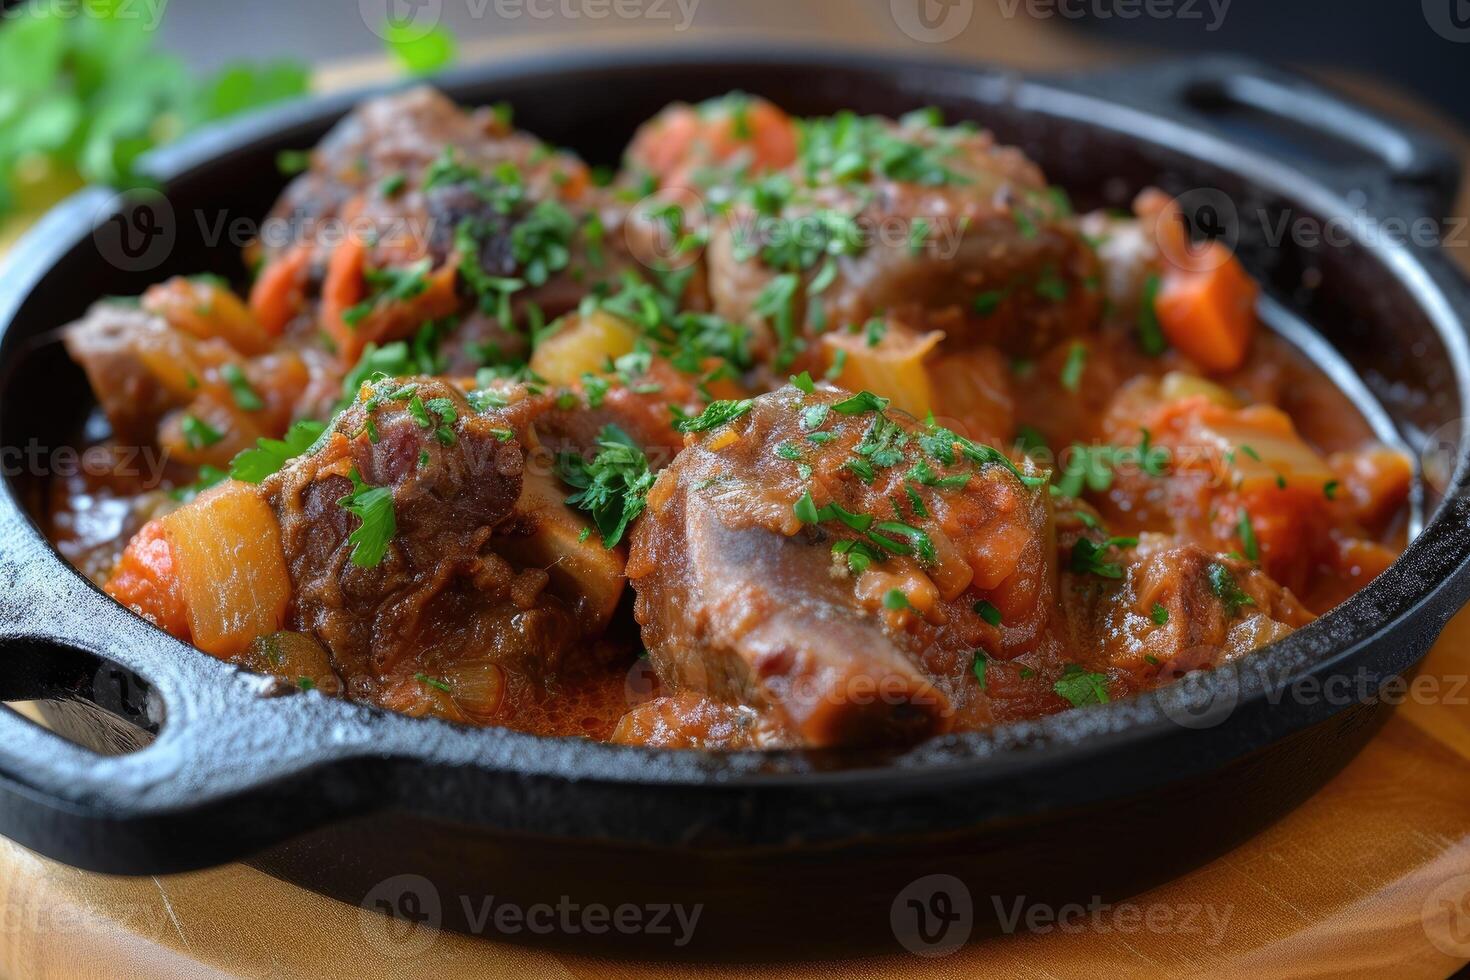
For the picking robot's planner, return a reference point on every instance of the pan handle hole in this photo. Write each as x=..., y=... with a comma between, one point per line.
x=91, y=701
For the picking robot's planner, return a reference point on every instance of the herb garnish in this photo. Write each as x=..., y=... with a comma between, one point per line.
x=1081, y=687
x=373, y=506
x=613, y=487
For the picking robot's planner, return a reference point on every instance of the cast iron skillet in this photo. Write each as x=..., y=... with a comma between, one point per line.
x=784, y=847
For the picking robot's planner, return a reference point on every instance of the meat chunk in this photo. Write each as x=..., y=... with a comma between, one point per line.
x=836, y=565
x=178, y=385
x=114, y=344
x=914, y=219
x=398, y=138
x=1152, y=611
x=438, y=597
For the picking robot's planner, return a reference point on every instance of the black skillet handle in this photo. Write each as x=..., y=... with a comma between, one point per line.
x=1402, y=171
x=163, y=759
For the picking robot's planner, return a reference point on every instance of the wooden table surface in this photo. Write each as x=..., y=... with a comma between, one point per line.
x=1370, y=877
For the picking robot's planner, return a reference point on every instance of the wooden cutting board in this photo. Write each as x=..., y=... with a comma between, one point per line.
x=1370, y=877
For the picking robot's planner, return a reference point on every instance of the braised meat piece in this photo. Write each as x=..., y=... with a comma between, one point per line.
x=837, y=565
x=111, y=344
x=1149, y=609
x=434, y=595
x=910, y=218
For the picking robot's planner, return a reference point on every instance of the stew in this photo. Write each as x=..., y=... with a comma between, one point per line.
x=791, y=432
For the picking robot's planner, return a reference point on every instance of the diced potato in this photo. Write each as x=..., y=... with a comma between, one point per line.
x=1178, y=384
x=175, y=360
x=583, y=346
x=226, y=548
x=893, y=367
x=205, y=309
x=1262, y=450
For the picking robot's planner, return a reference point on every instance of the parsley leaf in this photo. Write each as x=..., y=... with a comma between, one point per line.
x=373, y=506
x=715, y=415
x=1150, y=334
x=1223, y=584
x=245, y=396
x=1081, y=687
x=613, y=487
x=1088, y=556
x=269, y=455
x=1247, y=532
x=199, y=434
x=1071, y=376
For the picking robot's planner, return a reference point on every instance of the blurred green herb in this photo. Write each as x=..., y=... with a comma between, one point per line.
x=84, y=92
x=420, y=52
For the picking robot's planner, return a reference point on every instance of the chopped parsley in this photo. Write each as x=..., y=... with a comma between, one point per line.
x=1089, y=557
x=245, y=396
x=988, y=612
x=373, y=506
x=269, y=455
x=613, y=487
x=199, y=434
x=1089, y=467
x=388, y=286
x=863, y=401
x=715, y=415
x=1225, y=588
x=1150, y=334
x=1071, y=375
x=894, y=600
x=989, y=301
x=1050, y=286
x=433, y=682
x=1159, y=614
x=1081, y=686
x=1247, y=532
